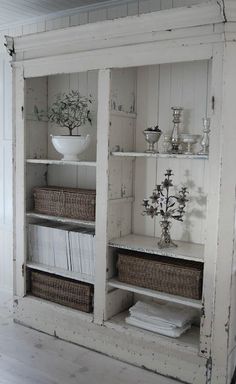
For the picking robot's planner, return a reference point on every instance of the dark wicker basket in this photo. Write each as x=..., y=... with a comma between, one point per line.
x=60, y=290
x=72, y=203
x=177, y=277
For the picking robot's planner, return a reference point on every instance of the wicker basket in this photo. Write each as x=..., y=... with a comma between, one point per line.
x=177, y=277
x=72, y=203
x=60, y=290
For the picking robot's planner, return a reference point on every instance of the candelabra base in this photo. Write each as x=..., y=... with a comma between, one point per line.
x=165, y=239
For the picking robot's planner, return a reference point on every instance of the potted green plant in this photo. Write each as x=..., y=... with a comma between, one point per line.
x=70, y=110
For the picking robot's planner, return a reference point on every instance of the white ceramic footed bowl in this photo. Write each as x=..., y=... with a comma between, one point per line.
x=71, y=146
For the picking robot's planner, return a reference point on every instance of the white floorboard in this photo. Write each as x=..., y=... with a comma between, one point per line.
x=31, y=357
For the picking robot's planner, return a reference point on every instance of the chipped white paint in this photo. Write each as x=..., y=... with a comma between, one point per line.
x=77, y=16
x=61, y=272
x=114, y=339
x=65, y=220
x=159, y=58
x=159, y=155
x=147, y=244
x=61, y=162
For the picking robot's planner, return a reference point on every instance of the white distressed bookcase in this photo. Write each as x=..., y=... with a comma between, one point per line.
x=136, y=68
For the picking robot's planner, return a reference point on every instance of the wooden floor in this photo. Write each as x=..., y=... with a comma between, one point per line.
x=31, y=357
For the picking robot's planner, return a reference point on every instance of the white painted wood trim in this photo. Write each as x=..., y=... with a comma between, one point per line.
x=115, y=283
x=61, y=272
x=226, y=224
x=211, y=244
x=19, y=255
x=159, y=155
x=118, y=57
x=197, y=15
x=103, y=122
x=62, y=162
x=114, y=339
x=148, y=244
x=123, y=114
x=126, y=200
x=59, y=219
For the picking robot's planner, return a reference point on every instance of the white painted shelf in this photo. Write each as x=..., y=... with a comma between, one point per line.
x=189, y=341
x=61, y=272
x=122, y=200
x=84, y=223
x=147, y=244
x=159, y=155
x=123, y=114
x=115, y=283
x=62, y=162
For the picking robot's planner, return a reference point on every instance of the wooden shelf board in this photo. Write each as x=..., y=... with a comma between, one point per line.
x=123, y=114
x=129, y=199
x=61, y=162
x=159, y=155
x=84, y=223
x=115, y=283
x=189, y=341
x=61, y=272
x=146, y=244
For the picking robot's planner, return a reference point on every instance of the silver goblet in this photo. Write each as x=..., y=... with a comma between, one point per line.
x=152, y=137
x=189, y=139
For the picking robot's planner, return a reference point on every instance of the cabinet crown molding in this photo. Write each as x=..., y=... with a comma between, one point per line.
x=149, y=27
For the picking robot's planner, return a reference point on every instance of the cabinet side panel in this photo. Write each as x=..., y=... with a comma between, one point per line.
x=19, y=242
x=212, y=221
x=225, y=281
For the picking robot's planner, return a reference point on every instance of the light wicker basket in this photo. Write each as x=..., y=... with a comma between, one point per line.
x=61, y=290
x=177, y=277
x=73, y=203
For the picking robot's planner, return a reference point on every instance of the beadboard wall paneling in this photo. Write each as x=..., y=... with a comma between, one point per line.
x=180, y=84
x=41, y=24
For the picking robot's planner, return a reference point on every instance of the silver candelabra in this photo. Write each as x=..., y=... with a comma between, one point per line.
x=168, y=206
x=175, y=137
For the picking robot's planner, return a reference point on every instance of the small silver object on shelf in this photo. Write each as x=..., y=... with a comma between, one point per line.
x=189, y=139
x=166, y=145
x=152, y=135
x=175, y=138
x=205, y=137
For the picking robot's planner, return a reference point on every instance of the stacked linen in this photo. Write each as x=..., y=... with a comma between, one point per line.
x=167, y=319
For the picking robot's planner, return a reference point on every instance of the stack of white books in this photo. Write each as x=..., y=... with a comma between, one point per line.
x=82, y=251
x=166, y=318
x=62, y=246
x=48, y=245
